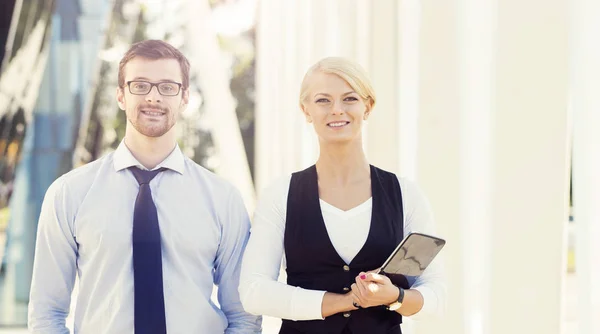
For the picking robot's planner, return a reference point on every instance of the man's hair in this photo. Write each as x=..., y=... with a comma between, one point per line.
x=155, y=49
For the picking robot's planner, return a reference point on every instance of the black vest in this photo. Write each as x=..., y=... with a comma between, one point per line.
x=313, y=263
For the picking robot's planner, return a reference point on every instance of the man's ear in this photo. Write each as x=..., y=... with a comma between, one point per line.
x=121, y=98
x=185, y=96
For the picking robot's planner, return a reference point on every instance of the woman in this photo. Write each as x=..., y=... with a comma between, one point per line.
x=335, y=222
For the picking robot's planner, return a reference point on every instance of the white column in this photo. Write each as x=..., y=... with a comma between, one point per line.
x=408, y=22
x=455, y=152
x=212, y=75
x=382, y=128
x=476, y=66
x=438, y=151
x=291, y=119
x=269, y=67
x=585, y=82
x=307, y=140
x=530, y=176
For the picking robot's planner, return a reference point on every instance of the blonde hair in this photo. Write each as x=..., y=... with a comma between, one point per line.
x=354, y=74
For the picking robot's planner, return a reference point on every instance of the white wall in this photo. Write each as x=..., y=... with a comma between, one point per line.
x=473, y=105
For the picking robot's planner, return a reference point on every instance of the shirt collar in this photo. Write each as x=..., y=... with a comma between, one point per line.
x=124, y=159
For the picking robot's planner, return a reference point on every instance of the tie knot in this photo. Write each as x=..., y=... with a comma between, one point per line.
x=144, y=176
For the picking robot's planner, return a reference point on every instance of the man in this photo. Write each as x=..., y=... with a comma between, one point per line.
x=147, y=231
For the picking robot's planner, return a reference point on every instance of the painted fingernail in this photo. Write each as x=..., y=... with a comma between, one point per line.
x=363, y=276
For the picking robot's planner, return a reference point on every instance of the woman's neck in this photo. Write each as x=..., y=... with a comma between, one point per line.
x=342, y=164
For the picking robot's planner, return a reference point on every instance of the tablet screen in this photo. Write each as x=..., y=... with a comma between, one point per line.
x=413, y=255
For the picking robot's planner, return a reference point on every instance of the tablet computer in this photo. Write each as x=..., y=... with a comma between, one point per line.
x=412, y=256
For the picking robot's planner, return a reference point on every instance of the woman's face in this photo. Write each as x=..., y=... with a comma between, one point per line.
x=335, y=109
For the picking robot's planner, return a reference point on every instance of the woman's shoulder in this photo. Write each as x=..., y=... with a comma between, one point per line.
x=408, y=187
x=274, y=195
x=403, y=181
x=277, y=187
x=407, y=184
x=272, y=201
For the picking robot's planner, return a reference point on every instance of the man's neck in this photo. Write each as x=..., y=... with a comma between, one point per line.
x=150, y=151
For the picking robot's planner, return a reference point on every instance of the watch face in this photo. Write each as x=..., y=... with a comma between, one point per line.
x=394, y=306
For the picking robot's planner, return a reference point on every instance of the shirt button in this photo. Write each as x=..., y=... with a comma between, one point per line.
x=347, y=315
x=346, y=268
x=346, y=289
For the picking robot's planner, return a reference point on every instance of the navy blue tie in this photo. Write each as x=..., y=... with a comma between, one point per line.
x=149, y=315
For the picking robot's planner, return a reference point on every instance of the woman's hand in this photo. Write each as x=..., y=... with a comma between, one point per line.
x=373, y=289
x=334, y=303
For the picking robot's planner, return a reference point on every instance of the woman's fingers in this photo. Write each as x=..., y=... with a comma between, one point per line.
x=358, y=297
x=372, y=289
x=376, y=278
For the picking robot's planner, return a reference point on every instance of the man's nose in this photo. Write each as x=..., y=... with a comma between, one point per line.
x=153, y=95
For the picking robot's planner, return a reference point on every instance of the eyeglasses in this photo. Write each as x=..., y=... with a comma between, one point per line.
x=144, y=87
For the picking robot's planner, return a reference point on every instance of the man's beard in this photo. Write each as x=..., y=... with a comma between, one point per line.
x=150, y=128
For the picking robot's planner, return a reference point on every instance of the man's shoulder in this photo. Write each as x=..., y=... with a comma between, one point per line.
x=88, y=169
x=83, y=176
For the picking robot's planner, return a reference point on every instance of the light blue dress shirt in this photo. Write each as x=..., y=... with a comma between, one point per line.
x=85, y=229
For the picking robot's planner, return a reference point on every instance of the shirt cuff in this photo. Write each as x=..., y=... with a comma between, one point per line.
x=306, y=304
x=430, y=303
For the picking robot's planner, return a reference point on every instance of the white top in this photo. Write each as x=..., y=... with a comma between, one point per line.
x=85, y=229
x=338, y=222
x=261, y=293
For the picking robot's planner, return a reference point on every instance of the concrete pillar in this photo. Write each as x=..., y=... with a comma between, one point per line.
x=585, y=82
x=382, y=134
x=275, y=107
x=408, y=18
x=531, y=167
x=493, y=159
x=213, y=78
x=438, y=151
x=476, y=67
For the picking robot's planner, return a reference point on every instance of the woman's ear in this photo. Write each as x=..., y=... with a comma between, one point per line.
x=369, y=105
x=306, y=114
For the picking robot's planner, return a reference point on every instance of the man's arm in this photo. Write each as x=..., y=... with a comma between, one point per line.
x=54, y=265
x=234, y=237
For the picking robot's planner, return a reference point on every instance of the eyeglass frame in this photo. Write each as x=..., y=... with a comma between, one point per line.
x=152, y=85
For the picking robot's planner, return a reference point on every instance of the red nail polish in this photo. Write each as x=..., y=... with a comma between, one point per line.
x=363, y=276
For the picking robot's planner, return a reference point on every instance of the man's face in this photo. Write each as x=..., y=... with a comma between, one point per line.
x=152, y=114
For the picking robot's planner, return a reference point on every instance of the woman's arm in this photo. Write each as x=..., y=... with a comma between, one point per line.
x=427, y=294
x=412, y=303
x=260, y=292
x=334, y=303
x=430, y=287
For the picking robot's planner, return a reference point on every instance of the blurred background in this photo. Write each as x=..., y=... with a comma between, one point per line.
x=490, y=105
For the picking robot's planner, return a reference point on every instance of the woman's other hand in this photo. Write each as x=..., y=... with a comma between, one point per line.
x=373, y=289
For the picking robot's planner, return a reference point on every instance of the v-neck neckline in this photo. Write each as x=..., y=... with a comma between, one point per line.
x=321, y=222
x=360, y=208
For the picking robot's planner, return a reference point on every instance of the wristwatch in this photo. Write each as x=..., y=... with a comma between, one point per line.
x=396, y=305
